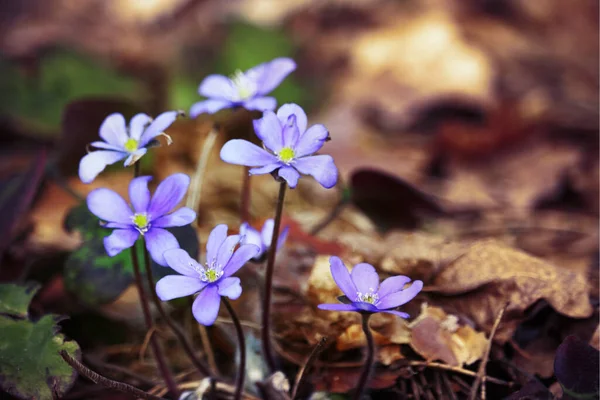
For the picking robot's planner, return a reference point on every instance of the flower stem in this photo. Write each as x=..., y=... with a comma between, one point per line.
x=364, y=376
x=245, y=200
x=177, y=330
x=239, y=382
x=266, y=315
x=158, y=354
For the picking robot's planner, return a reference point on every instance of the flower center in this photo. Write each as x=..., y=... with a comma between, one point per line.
x=286, y=154
x=210, y=274
x=243, y=84
x=371, y=297
x=141, y=222
x=131, y=145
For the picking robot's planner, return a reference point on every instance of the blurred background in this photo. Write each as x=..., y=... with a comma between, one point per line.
x=450, y=120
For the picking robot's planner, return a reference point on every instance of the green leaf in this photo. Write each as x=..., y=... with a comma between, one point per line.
x=96, y=278
x=15, y=299
x=63, y=76
x=30, y=364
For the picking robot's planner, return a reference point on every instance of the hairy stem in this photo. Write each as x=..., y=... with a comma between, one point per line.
x=177, y=330
x=364, y=376
x=239, y=382
x=266, y=310
x=109, y=383
x=158, y=354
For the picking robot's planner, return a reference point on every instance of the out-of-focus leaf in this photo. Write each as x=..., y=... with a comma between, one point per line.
x=96, y=278
x=15, y=299
x=81, y=120
x=490, y=274
x=577, y=368
x=63, y=77
x=391, y=202
x=30, y=364
x=16, y=194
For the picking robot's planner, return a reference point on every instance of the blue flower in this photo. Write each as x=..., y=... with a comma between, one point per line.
x=263, y=238
x=120, y=142
x=288, y=148
x=364, y=293
x=212, y=280
x=149, y=217
x=243, y=89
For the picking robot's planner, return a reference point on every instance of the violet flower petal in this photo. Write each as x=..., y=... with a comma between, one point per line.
x=266, y=232
x=286, y=110
x=158, y=241
x=109, y=206
x=365, y=278
x=342, y=278
x=320, y=167
x=269, y=131
x=175, y=286
x=209, y=106
x=290, y=133
x=364, y=306
x=267, y=169
x=311, y=141
x=392, y=284
x=139, y=194
x=137, y=125
x=168, y=194
x=241, y=256
x=217, y=87
x=242, y=152
x=260, y=104
x=113, y=130
x=117, y=225
x=282, y=237
x=119, y=240
x=290, y=175
x=396, y=299
x=106, y=146
x=251, y=236
x=133, y=157
x=396, y=313
x=215, y=239
x=272, y=73
x=225, y=251
x=338, y=307
x=183, y=216
x=93, y=163
x=180, y=261
x=206, y=306
x=158, y=126
x=230, y=287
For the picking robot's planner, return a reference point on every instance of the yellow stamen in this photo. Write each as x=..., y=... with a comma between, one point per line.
x=286, y=154
x=141, y=222
x=131, y=145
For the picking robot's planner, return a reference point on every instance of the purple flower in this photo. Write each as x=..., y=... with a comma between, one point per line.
x=365, y=294
x=245, y=89
x=212, y=279
x=148, y=218
x=263, y=238
x=120, y=142
x=289, y=148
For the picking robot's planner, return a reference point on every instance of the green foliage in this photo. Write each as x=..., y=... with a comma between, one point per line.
x=30, y=364
x=62, y=77
x=96, y=278
x=15, y=299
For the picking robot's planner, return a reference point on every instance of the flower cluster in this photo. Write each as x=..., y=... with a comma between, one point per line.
x=289, y=150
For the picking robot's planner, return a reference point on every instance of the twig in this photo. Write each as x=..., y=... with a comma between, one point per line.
x=193, y=200
x=118, y=369
x=481, y=372
x=458, y=370
x=313, y=355
x=109, y=383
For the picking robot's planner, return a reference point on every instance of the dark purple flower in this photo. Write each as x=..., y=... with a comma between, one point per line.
x=365, y=294
x=148, y=218
x=212, y=279
x=243, y=89
x=263, y=238
x=120, y=142
x=288, y=148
